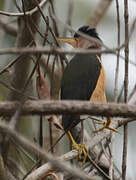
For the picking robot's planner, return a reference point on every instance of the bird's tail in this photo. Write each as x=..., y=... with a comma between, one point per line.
x=69, y=121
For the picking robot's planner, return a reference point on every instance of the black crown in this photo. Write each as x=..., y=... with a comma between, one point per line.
x=88, y=31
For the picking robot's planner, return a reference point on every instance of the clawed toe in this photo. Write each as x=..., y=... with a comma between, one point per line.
x=106, y=125
x=81, y=150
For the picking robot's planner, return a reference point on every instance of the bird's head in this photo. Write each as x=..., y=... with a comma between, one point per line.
x=81, y=38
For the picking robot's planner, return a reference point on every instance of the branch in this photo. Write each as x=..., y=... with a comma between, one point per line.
x=68, y=107
x=52, y=50
x=28, y=145
x=125, y=137
x=45, y=168
x=32, y=11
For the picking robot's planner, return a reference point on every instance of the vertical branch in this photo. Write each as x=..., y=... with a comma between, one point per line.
x=124, y=158
x=118, y=54
x=126, y=51
x=116, y=87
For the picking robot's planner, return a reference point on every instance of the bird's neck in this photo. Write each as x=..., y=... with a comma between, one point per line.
x=88, y=44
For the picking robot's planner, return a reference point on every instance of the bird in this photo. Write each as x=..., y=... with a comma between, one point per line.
x=84, y=79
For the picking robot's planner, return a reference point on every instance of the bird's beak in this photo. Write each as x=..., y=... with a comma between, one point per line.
x=71, y=41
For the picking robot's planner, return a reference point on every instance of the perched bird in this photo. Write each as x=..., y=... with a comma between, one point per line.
x=83, y=79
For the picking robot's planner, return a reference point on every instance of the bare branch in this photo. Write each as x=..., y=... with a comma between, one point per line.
x=125, y=138
x=32, y=11
x=118, y=54
x=28, y=145
x=44, y=169
x=65, y=107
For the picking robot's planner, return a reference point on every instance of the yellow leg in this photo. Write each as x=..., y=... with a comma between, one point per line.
x=106, y=125
x=79, y=147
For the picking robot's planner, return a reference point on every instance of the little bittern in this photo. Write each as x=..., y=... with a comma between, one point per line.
x=83, y=79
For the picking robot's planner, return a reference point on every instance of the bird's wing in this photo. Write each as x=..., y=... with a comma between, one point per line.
x=79, y=82
x=80, y=77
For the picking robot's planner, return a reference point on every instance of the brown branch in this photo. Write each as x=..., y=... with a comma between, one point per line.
x=125, y=138
x=51, y=50
x=118, y=53
x=69, y=107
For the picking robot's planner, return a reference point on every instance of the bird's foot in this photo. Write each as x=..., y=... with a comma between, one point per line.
x=106, y=125
x=79, y=147
x=81, y=150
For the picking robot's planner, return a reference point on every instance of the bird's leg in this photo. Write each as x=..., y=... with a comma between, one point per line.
x=106, y=125
x=79, y=147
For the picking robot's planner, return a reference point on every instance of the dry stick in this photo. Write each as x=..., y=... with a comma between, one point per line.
x=7, y=108
x=52, y=50
x=44, y=155
x=125, y=138
x=115, y=90
x=118, y=53
x=32, y=11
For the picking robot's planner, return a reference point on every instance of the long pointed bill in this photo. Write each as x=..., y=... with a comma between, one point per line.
x=70, y=41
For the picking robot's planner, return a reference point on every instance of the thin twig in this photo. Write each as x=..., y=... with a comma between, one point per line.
x=118, y=54
x=125, y=138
